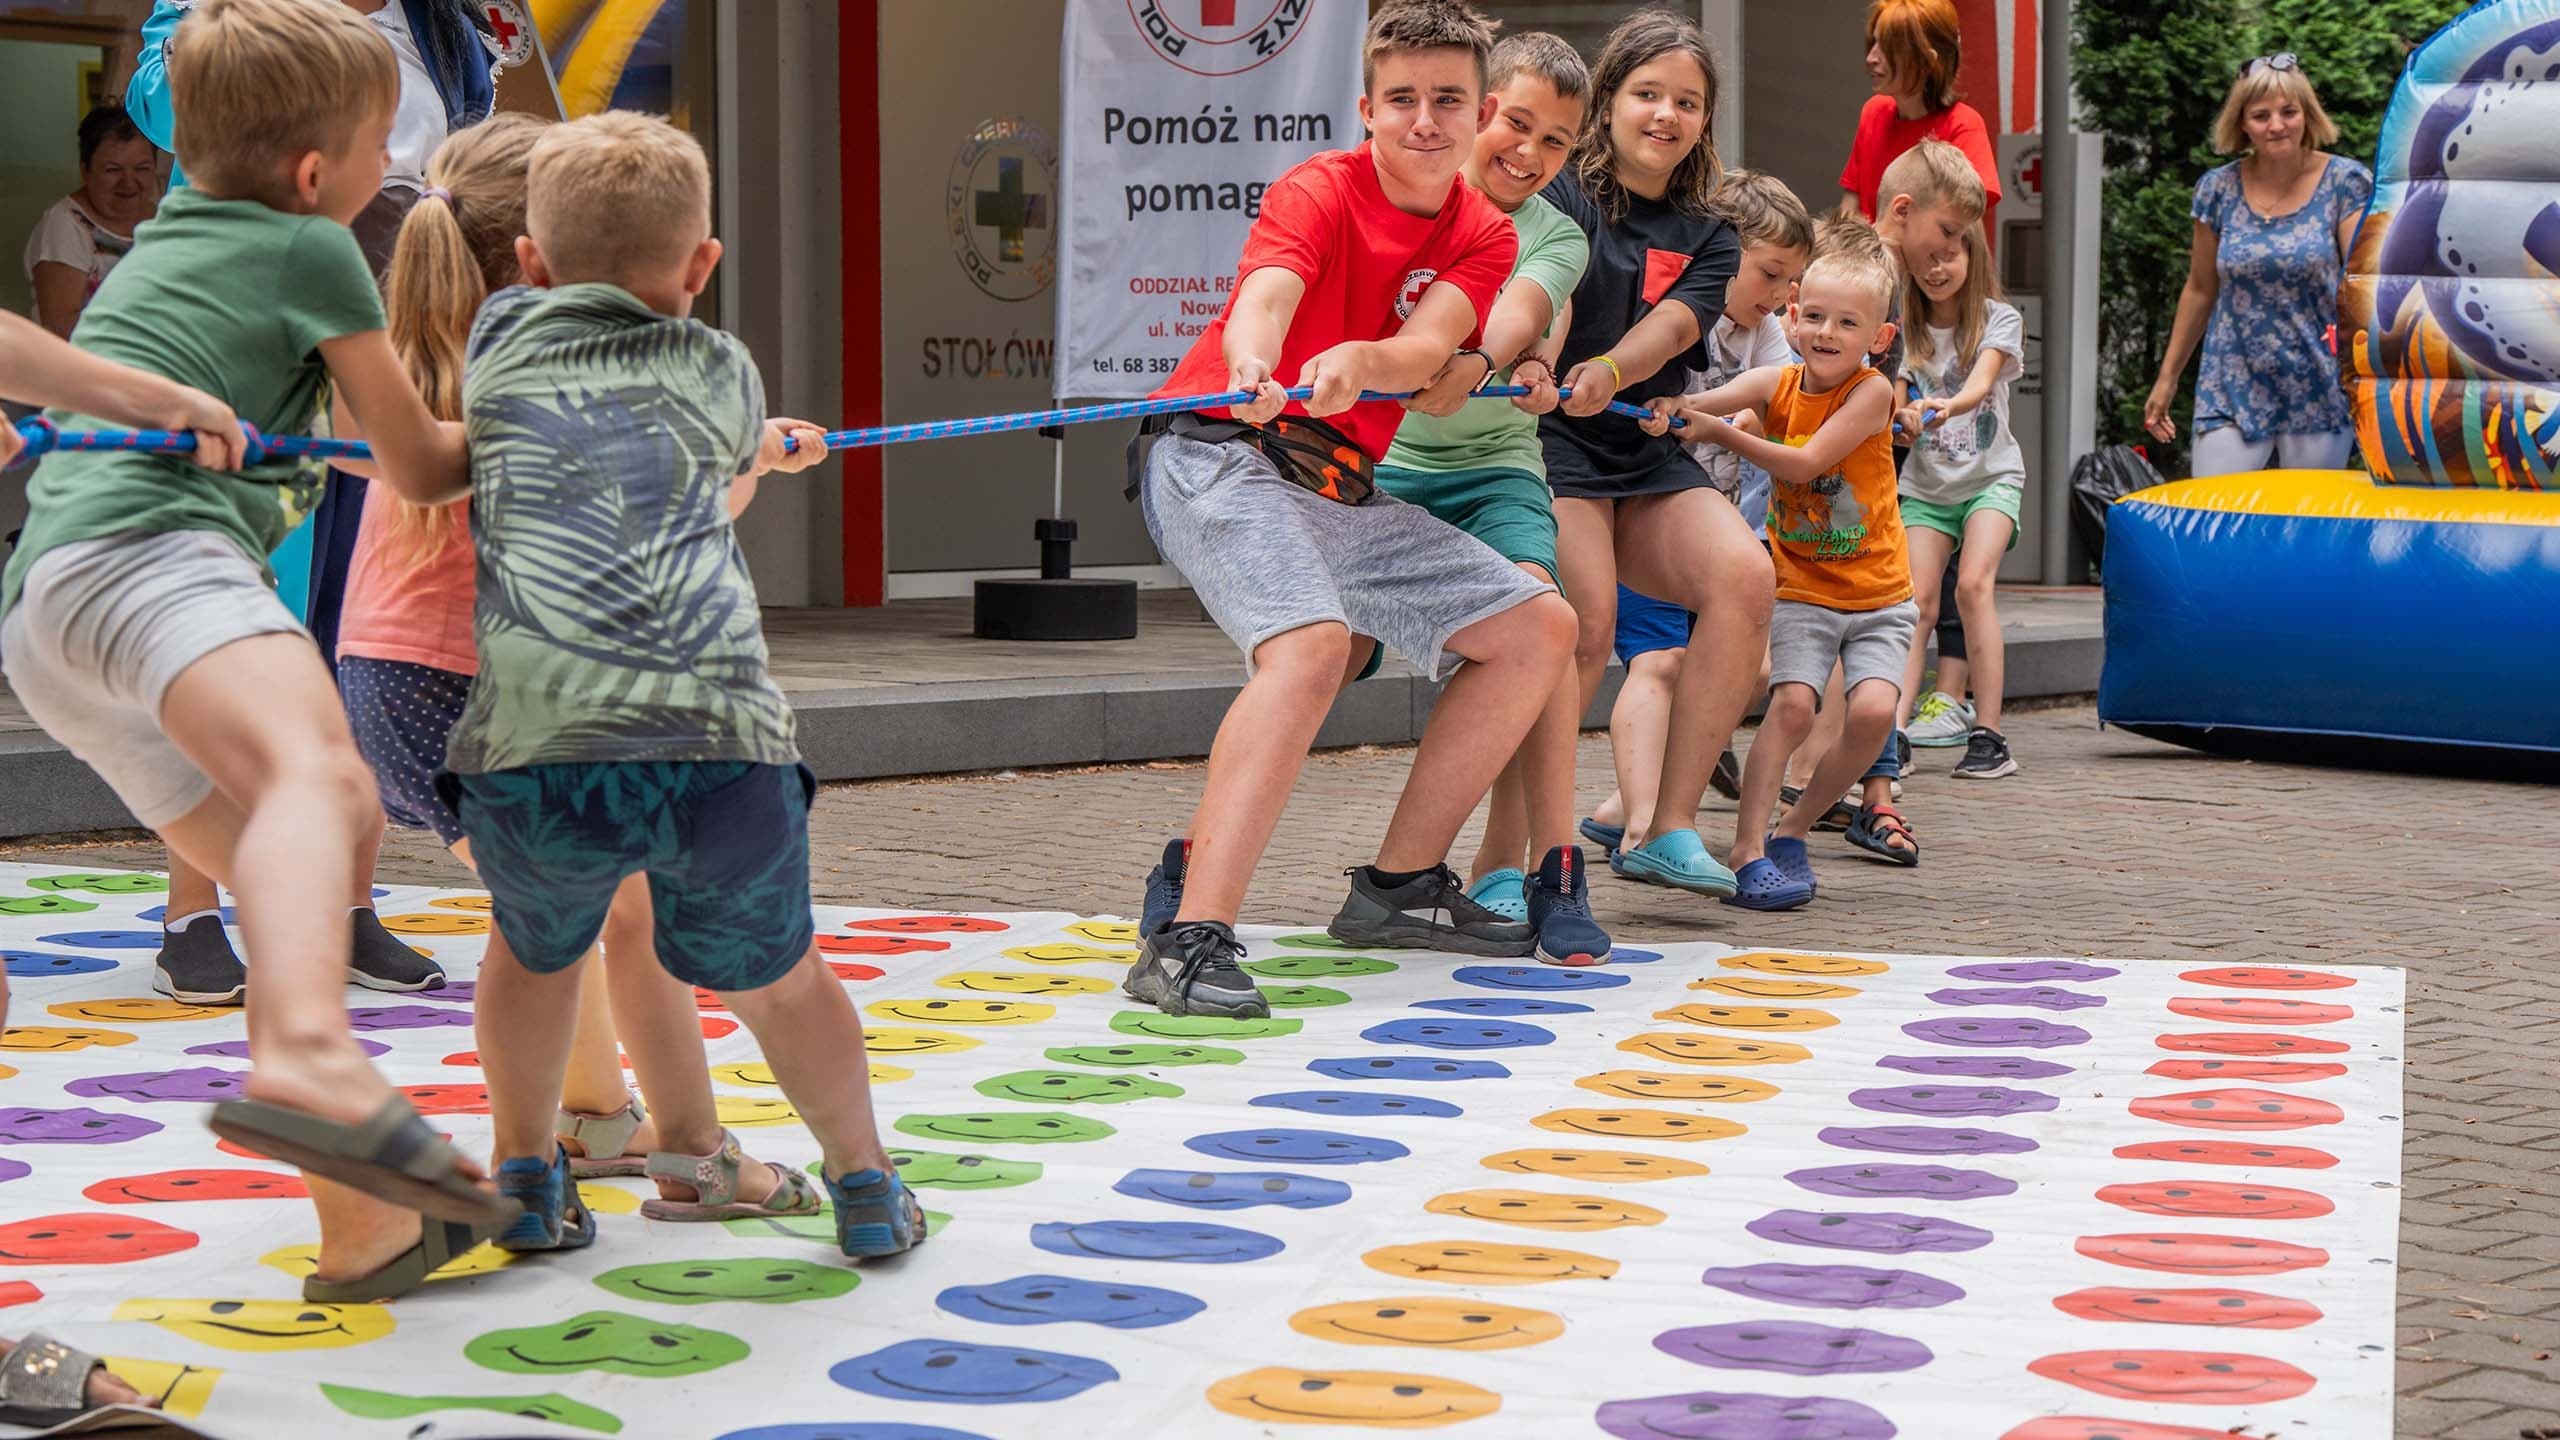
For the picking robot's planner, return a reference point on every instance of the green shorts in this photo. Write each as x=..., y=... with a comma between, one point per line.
x=2001, y=498
x=1507, y=508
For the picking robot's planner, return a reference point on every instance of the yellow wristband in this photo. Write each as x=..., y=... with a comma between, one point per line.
x=1613, y=369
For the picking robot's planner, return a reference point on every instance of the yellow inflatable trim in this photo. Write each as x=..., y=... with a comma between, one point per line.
x=2350, y=495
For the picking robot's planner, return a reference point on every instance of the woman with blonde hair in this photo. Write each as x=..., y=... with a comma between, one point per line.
x=2272, y=232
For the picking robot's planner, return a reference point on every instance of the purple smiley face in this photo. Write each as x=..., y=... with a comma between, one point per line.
x=405, y=1017
x=1926, y=1140
x=26, y=1125
x=461, y=992
x=2029, y=972
x=201, y=1084
x=239, y=1049
x=1975, y=1067
x=1878, y=1232
x=1708, y=1415
x=1793, y=1347
x=1834, y=1287
x=1996, y=1030
x=2034, y=997
x=1904, y=1182
x=14, y=1170
x=1948, y=1100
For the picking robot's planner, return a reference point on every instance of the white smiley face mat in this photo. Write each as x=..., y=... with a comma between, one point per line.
x=1703, y=1194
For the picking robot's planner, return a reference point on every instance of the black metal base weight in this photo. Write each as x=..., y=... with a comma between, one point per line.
x=1065, y=609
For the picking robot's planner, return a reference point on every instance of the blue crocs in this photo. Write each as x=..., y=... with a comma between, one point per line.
x=1790, y=857
x=1607, y=837
x=876, y=1214
x=1763, y=886
x=1504, y=892
x=1679, y=860
x=553, y=1218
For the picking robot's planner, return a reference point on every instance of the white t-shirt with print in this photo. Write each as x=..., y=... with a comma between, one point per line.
x=1970, y=453
x=1732, y=349
x=418, y=126
x=67, y=234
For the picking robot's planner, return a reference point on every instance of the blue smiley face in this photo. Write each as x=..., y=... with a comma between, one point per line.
x=1296, y=1147
x=158, y=913
x=31, y=965
x=1362, y=1103
x=106, y=939
x=1459, y=1034
x=1535, y=977
x=1630, y=955
x=1502, y=1005
x=1182, y=1242
x=1409, y=1067
x=1205, y=1190
x=1056, y=1300
x=958, y=1372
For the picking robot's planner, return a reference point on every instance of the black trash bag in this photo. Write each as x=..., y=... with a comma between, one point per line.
x=2098, y=480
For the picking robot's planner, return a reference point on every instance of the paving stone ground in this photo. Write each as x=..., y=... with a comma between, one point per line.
x=2103, y=844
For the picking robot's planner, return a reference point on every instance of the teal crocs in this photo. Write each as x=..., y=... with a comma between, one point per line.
x=1679, y=860
x=1504, y=892
x=876, y=1214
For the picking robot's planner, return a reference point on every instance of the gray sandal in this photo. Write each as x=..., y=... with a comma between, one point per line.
x=605, y=1139
x=440, y=1243
x=714, y=1178
x=45, y=1383
x=392, y=1156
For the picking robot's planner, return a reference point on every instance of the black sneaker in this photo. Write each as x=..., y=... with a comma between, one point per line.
x=1431, y=911
x=197, y=966
x=1164, y=888
x=380, y=960
x=1189, y=968
x=1986, y=756
x=1560, y=911
x=1728, y=777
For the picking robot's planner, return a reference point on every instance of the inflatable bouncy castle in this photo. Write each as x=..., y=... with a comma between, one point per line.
x=2401, y=616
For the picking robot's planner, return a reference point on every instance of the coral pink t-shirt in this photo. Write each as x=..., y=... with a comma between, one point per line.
x=399, y=607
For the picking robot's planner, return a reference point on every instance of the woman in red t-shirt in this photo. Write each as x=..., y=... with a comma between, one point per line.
x=1915, y=48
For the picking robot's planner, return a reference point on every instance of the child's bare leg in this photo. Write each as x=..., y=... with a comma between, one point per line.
x=662, y=1029
x=1506, y=824
x=1824, y=739
x=1587, y=562
x=1480, y=719
x=1692, y=548
x=813, y=1039
x=1254, y=762
x=191, y=891
x=1986, y=540
x=1783, y=727
x=1869, y=720
x=1533, y=797
x=1930, y=551
x=1639, y=723
x=594, y=1083
x=524, y=1024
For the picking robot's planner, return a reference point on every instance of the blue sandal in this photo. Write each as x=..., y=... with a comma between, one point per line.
x=553, y=1218
x=876, y=1214
x=1607, y=837
x=1678, y=859
x=1763, y=886
x=1793, y=861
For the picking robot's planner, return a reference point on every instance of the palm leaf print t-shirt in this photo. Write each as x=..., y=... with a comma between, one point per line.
x=615, y=620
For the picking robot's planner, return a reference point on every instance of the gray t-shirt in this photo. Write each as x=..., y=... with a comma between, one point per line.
x=1970, y=453
x=615, y=620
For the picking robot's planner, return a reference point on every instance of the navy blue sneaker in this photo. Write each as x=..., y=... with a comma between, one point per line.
x=553, y=1218
x=1560, y=911
x=1164, y=887
x=876, y=1214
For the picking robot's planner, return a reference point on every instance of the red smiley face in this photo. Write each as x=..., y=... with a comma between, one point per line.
x=932, y=925
x=705, y=1000
x=714, y=1027
x=2273, y=1072
x=877, y=945
x=2258, y=977
x=2252, y=1044
x=2230, y=1309
x=448, y=1099
x=18, y=1292
x=2237, y=1110
x=2082, y=1427
x=2202, y=1254
x=2217, y=1200
x=2259, y=1010
x=89, y=1240
x=2230, y=1152
x=852, y=970
x=198, y=1185
x=2176, y=1377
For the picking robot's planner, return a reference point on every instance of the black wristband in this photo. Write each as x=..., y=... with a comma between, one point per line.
x=1488, y=367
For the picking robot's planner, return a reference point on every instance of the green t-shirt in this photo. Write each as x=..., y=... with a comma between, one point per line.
x=1483, y=433
x=233, y=298
x=615, y=620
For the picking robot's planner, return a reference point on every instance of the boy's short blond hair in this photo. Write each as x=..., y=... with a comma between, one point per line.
x=614, y=194
x=1839, y=234
x=254, y=85
x=1762, y=210
x=1936, y=176
x=2261, y=82
x=1869, y=271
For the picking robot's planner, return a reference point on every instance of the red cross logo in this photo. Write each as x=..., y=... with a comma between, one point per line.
x=2032, y=173
x=501, y=26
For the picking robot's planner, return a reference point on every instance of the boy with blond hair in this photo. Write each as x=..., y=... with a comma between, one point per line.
x=142, y=630
x=623, y=723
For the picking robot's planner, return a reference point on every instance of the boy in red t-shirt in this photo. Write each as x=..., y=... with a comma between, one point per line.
x=1366, y=270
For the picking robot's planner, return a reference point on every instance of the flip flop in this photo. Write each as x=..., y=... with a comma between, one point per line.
x=1678, y=859
x=45, y=1383
x=1607, y=837
x=1761, y=885
x=440, y=1243
x=606, y=1139
x=1876, y=829
x=714, y=1178
x=393, y=1156
x=1792, y=860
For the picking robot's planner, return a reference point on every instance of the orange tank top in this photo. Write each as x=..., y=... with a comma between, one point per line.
x=1836, y=542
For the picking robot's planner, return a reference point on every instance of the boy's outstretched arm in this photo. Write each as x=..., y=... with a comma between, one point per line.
x=1403, y=361
x=38, y=367
x=807, y=445
x=1864, y=414
x=1256, y=329
x=416, y=454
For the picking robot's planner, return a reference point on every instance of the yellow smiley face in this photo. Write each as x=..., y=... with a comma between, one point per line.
x=1376, y=1399
x=963, y=1012
x=1543, y=1211
x=299, y=1261
x=606, y=1200
x=1656, y=1085
x=756, y=1072
x=892, y=1040
x=745, y=1110
x=263, y=1325
x=1713, y=1049
x=1631, y=1124
x=1780, y=962
x=137, y=1011
x=1750, y=1017
x=473, y=904
x=1614, y=1166
x=996, y=983
x=1435, y=1322
x=1478, y=1262
x=440, y=922
x=52, y=1039
x=180, y=1390
x=1070, y=954
x=1106, y=932
x=1770, y=987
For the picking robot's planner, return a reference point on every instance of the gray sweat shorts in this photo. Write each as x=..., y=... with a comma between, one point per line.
x=1266, y=556
x=104, y=627
x=1869, y=644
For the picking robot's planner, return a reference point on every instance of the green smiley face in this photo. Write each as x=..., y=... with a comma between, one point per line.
x=101, y=884
x=1321, y=967
x=1312, y=940
x=1199, y=1027
x=43, y=905
x=1127, y=1057
x=556, y=1408
x=754, y=1279
x=1030, y=1127
x=1075, y=1087
x=1303, y=997
x=945, y=1171
x=818, y=1228
x=606, y=1340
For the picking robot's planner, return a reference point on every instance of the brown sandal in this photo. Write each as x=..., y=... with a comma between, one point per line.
x=604, y=1139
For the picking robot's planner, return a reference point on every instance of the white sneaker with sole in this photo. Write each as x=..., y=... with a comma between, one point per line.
x=1941, y=720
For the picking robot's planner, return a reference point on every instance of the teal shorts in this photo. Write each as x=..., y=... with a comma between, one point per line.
x=1507, y=508
x=2002, y=498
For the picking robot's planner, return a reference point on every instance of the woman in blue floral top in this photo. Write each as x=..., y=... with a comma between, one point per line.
x=2272, y=232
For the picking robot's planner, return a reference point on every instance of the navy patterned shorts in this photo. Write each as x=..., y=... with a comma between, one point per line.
x=401, y=714
x=725, y=845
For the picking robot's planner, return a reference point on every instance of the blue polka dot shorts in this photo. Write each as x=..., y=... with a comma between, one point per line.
x=402, y=715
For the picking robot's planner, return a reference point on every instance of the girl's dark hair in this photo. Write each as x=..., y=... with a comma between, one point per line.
x=102, y=126
x=1639, y=40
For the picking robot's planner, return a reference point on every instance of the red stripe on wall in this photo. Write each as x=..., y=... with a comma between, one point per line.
x=2026, y=66
x=866, y=550
x=1978, y=21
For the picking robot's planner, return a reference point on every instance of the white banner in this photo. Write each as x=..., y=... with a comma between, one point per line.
x=1177, y=115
